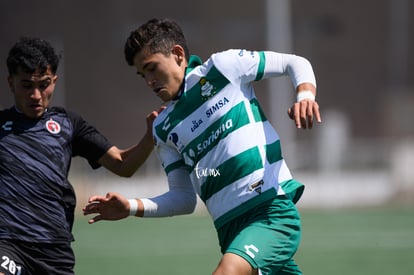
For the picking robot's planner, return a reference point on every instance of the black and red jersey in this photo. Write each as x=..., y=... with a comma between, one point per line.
x=37, y=202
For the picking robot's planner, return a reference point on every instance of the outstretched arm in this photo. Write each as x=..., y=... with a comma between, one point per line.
x=179, y=200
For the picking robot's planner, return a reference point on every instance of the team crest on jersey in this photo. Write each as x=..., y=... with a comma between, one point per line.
x=207, y=90
x=52, y=126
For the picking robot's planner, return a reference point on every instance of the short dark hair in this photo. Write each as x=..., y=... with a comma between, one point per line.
x=158, y=35
x=32, y=54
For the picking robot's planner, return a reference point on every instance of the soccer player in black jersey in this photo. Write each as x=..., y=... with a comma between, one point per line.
x=37, y=142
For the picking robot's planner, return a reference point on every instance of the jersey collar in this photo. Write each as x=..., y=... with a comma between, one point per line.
x=193, y=62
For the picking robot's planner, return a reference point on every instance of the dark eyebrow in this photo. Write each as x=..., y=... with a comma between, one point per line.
x=47, y=79
x=144, y=67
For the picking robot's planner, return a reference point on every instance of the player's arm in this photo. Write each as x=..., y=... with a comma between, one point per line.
x=126, y=162
x=179, y=200
x=305, y=110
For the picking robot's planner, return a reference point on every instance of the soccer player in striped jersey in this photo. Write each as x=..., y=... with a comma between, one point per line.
x=214, y=140
x=37, y=143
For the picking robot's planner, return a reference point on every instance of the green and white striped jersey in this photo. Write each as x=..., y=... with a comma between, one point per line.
x=218, y=132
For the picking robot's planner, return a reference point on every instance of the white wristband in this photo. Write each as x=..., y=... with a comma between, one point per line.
x=133, y=207
x=305, y=95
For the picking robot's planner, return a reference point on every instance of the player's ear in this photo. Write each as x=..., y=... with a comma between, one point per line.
x=179, y=54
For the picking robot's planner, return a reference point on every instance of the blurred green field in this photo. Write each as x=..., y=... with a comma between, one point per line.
x=357, y=242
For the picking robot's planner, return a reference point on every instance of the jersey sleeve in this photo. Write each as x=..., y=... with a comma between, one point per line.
x=170, y=158
x=239, y=65
x=180, y=199
x=247, y=66
x=296, y=67
x=88, y=142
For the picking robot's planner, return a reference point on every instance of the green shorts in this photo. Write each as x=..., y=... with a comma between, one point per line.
x=267, y=236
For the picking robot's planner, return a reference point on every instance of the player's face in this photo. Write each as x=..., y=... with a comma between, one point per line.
x=163, y=74
x=32, y=92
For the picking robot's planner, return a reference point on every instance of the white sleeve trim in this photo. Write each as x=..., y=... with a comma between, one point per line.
x=298, y=68
x=179, y=200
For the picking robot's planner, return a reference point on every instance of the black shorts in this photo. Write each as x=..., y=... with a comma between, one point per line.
x=22, y=258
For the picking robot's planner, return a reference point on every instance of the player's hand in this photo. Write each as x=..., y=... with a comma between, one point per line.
x=304, y=113
x=151, y=117
x=111, y=207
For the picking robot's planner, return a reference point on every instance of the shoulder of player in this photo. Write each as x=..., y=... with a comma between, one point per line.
x=9, y=114
x=5, y=114
x=73, y=117
x=230, y=60
x=161, y=116
x=225, y=55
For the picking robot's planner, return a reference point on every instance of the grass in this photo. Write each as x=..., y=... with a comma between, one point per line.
x=178, y=245
x=357, y=242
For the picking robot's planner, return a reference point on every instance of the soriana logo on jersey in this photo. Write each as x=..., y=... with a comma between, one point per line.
x=52, y=126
